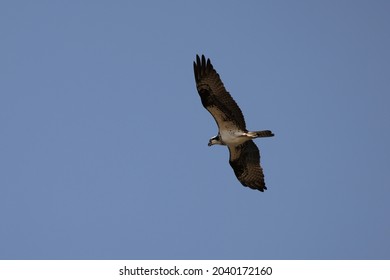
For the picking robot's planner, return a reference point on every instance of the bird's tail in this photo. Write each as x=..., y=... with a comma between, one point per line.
x=261, y=133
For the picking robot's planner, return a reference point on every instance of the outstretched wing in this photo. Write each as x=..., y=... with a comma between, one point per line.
x=245, y=161
x=214, y=96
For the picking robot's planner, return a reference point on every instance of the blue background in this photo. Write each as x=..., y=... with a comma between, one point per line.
x=103, y=145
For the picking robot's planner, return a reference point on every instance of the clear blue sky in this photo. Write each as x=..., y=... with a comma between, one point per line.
x=103, y=146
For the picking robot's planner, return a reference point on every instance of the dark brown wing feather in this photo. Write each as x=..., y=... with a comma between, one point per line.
x=245, y=161
x=214, y=96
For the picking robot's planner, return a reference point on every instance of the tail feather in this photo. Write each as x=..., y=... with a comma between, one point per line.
x=261, y=133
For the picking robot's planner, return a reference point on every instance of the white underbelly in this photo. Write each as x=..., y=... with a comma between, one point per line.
x=232, y=137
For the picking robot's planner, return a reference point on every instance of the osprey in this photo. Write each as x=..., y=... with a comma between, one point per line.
x=244, y=154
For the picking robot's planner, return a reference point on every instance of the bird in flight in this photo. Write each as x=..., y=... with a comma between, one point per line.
x=244, y=154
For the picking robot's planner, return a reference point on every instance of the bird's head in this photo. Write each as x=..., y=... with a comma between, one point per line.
x=215, y=140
